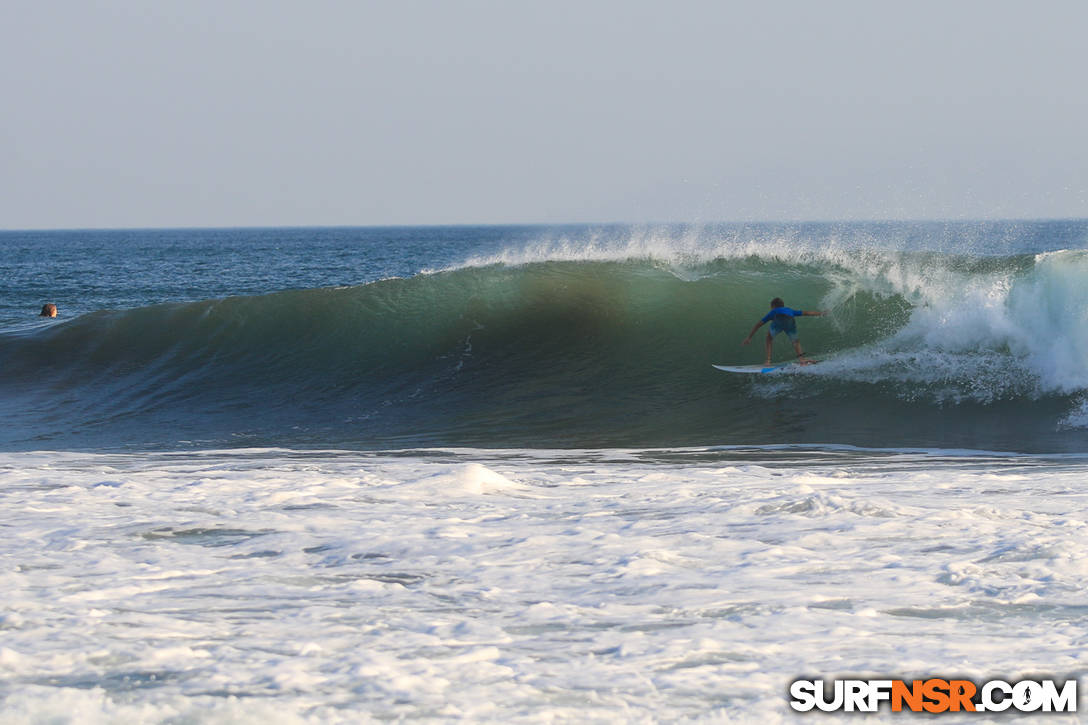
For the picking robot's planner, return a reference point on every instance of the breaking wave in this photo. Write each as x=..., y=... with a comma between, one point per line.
x=584, y=346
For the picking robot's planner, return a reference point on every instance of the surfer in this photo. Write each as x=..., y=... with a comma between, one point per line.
x=781, y=319
x=48, y=310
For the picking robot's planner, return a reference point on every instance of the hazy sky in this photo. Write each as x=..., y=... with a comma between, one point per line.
x=195, y=113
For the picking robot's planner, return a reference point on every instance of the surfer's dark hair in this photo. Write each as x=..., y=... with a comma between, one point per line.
x=777, y=302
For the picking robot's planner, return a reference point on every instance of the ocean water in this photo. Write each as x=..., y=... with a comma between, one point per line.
x=488, y=473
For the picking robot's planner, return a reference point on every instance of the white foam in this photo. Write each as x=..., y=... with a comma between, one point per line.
x=471, y=479
x=978, y=336
x=278, y=586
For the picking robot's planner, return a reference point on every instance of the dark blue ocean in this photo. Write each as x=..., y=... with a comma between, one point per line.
x=947, y=335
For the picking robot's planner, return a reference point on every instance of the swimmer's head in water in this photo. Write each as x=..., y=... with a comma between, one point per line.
x=49, y=310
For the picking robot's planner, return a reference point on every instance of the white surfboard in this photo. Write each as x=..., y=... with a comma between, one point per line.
x=753, y=369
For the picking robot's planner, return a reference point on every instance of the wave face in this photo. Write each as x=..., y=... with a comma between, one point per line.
x=594, y=347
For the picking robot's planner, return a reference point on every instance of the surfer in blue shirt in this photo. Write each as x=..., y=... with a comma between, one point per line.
x=781, y=319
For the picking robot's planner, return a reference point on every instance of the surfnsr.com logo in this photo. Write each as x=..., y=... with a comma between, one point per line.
x=934, y=695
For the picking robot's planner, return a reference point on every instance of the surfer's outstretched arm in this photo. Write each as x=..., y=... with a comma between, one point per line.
x=754, y=328
x=814, y=313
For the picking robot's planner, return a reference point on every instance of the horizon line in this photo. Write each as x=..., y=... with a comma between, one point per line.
x=469, y=225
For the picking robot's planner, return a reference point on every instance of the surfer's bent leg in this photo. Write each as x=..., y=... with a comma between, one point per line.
x=792, y=334
x=800, y=353
x=770, y=344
